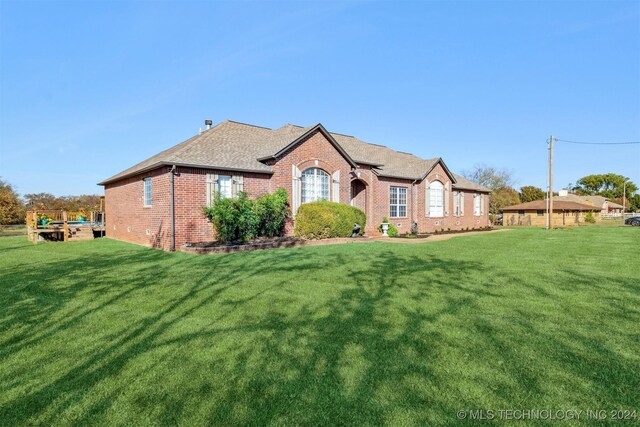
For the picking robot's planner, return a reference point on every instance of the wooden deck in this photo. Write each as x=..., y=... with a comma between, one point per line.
x=64, y=226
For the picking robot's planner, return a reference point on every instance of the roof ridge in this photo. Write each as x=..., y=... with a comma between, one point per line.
x=246, y=124
x=344, y=134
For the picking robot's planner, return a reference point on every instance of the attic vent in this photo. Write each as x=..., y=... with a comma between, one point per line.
x=208, y=123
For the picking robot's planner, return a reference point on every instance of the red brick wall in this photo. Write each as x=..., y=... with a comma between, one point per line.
x=317, y=152
x=127, y=219
x=416, y=205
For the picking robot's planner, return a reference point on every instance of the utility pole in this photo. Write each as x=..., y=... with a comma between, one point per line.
x=624, y=198
x=550, y=211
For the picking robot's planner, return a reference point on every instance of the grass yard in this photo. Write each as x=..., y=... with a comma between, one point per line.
x=103, y=332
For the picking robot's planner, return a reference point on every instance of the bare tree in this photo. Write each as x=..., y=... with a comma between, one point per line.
x=490, y=176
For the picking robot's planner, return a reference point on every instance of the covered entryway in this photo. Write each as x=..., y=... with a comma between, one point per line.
x=359, y=195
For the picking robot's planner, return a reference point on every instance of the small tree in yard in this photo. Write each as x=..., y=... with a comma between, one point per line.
x=12, y=210
x=589, y=218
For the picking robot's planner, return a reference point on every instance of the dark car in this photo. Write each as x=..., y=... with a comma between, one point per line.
x=634, y=220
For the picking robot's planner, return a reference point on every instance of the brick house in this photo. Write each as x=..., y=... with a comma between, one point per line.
x=166, y=192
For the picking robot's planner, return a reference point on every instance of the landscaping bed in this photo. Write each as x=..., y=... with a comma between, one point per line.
x=437, y=233
x=262, y=243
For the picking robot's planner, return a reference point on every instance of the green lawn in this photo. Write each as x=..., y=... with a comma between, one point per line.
x=103, y=332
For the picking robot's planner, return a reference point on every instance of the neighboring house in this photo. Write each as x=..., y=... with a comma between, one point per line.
x=159, y=201
x=601, y=203
x=535, y=213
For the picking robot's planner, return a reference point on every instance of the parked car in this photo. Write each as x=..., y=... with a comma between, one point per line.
x=634, y=220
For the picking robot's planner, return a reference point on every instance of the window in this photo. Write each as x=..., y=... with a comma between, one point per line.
x=477, y=200
x=147, y=191
x=436, y=199
x=398, y=202
x=224, y=186
x=315, y=185
x=458, y=203
x=540, y=213
x=521, y=213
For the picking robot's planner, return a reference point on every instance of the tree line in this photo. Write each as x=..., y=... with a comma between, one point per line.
x=503, y=192
x=13, y=207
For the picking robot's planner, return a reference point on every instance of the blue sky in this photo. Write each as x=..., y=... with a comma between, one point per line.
x=89, y=88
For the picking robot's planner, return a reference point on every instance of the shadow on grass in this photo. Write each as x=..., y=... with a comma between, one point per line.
x=375, y=349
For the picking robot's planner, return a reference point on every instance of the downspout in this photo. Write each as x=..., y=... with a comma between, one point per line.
x=413, y=209
x=172, y=248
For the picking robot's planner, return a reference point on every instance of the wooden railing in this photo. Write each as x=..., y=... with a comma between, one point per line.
x=59, y=220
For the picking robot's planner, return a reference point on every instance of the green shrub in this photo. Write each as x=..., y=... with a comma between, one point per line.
x=272, y=211
x=323, y=220
x=241, y=219
x=392, y=231
x=589, y=218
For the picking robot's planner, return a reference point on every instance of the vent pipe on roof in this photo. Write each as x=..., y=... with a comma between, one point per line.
x=208, y=124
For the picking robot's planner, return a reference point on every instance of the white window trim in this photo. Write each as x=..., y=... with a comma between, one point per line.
x=229, y=180
x=317, y=186
x=456, y=203
x=477, y=205
x=398, y=204
x=431, y=198
x=146, y=181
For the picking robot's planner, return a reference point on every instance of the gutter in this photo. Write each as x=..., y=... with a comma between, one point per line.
x=173, y=210
x=185, y=165
x=413, y=209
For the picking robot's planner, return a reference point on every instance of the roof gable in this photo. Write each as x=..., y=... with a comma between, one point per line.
x=304, y=136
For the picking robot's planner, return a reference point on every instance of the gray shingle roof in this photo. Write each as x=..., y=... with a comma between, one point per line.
x=463, y=183
x=597, y=201
x=238, y=146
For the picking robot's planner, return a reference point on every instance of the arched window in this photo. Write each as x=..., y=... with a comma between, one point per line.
x=436, y=199
x=315, y=185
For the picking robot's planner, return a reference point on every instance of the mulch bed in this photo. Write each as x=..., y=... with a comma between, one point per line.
x=253, y=245
x=424, y=236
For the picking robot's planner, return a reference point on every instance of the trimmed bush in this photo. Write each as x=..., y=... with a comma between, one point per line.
x=323, y=220
x=239, y=219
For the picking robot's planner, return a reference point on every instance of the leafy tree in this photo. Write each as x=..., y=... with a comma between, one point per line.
x=490, y=176
x=609, y=185
x=84, y=202
x=634, y=203
x=12, y=210
x=501, y=197
x=529, y=193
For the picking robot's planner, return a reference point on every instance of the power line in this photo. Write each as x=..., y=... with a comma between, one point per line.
x=596, y=143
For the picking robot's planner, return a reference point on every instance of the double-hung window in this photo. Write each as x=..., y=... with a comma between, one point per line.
x=398, y=202
x=147, y=191
x=315, y=185
x=477, y=199
x=436, y=199
x=224, y=186
x=456, y=203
